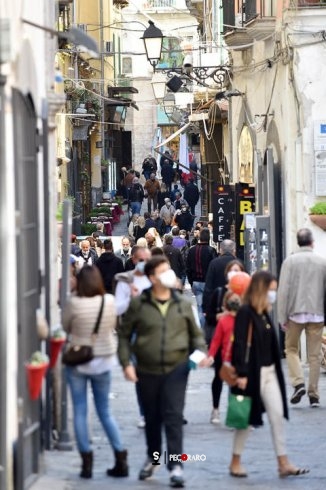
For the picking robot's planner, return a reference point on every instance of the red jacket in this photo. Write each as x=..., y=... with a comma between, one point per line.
x=222, y=337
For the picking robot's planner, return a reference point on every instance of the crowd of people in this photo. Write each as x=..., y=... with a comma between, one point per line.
x=148, y=321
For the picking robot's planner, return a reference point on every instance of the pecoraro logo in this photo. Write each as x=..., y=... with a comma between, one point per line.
x=177, y=458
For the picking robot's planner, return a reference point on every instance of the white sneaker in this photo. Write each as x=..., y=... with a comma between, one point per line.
x=141, y=424
x=215, y=417
x=176, y=478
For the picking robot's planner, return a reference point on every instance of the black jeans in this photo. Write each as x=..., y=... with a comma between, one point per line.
x=217, y=383
x=163, y=398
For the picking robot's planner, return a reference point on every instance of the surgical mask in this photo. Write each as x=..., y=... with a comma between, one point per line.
x=140, y=267
x=183, y=210
x=271, y=296
x=85, y=253
x=125, y=249
x=168, y=278
x=168, y=205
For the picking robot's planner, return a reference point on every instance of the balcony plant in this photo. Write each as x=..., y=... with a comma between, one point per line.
x=318, y=214
x=36, y=368
x=57, y=340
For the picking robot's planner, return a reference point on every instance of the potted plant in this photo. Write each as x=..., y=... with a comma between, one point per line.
x=318, y=214
x=36, y=368
x=57, y=340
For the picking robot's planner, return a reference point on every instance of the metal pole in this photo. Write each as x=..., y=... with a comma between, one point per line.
x=64, y=443
x=3, y=299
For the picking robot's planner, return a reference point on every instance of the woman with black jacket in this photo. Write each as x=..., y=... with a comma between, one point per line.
x=260, y=376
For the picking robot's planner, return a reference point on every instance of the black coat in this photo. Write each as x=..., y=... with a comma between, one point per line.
x=215, y=277
x=252, y=369
x=198, y=259
x=191, y=194
x=167, y=173
x=109, y=265
x=175, y=258
x=184, y=221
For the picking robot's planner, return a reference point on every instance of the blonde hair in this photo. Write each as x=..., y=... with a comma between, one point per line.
x=142, y=242
x=256, y=294
x=153, y=231
x=141, y=221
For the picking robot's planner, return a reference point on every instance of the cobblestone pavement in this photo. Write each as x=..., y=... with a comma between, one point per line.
x=306, y=446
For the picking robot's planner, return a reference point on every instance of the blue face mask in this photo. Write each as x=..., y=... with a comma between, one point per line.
x=140, y=267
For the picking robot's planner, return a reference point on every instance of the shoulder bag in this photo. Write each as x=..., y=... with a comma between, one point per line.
x=80, y=354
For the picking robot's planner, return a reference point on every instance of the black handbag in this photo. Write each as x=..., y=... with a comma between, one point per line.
x=80, y=354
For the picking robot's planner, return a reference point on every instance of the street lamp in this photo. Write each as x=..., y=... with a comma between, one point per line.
x=159, y=86
x=153, y=41
x=169, y=104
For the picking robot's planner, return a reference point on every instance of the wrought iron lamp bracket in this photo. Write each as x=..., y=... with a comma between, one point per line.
x=219, y=74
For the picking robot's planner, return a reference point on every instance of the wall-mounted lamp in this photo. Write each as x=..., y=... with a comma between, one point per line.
x=169, y=104
x=153, y=41
x=159, y=86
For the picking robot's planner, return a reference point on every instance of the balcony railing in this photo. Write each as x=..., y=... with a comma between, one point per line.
x=309, y=3
x=247, y=11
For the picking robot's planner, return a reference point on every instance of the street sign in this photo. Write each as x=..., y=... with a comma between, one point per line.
x=223, y=212
x=244, y=203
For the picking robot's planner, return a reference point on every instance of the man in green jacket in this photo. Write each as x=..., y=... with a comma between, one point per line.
x=165, y=334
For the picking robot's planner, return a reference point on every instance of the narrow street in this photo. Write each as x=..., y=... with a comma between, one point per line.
x=212, y=443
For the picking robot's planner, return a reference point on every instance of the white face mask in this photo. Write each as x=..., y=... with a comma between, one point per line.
x=168, y=278
x=140, y=267
x=271, y=296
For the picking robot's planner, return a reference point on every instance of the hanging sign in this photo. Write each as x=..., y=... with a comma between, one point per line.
x=244, y=203
x=223, y=212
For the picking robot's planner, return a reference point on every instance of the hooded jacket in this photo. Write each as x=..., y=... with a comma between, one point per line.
x=161, y=342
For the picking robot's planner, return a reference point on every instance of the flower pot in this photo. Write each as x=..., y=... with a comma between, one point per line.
x=319, y=220
x=35, y=374
x=55, y=347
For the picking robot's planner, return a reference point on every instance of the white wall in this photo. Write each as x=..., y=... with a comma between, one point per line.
x=296, y=98
x=30, y=70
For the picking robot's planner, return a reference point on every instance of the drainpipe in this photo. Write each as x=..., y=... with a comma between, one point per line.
x=3, y=299
x=65, y=443
x=103, y=92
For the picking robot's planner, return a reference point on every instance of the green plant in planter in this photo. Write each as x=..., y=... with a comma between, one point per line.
x=318, y=208
x=58, y=214
x=88, y=228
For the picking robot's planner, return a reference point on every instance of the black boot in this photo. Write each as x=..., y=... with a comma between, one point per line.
x=87, y=465
x=121, y=466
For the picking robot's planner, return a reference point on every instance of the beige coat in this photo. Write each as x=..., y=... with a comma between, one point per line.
x=79, y=318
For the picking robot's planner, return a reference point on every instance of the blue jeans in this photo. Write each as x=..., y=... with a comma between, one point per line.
x=100, y=384
x=135, y=207
x=198, y=290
